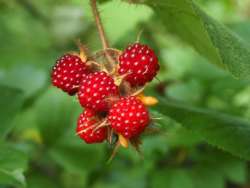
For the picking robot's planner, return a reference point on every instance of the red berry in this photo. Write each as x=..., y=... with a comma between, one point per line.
x=68, y=72
x=129, y=117
x=140, y=63
x=95, y=91
x=86, y=125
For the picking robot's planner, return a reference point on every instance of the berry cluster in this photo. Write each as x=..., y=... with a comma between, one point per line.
x=111, y=95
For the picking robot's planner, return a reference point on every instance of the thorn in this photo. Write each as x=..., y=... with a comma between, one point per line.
x=139, y=91
x=139, y=35
x=102, y=124
x=156, y=118
x=80, y=132
x=136, y=144
x=110, y=135
x=91, y=62
x=119, y=79
x=91, y=127
x=158, y=79
x=111, y=99
x=117, y=146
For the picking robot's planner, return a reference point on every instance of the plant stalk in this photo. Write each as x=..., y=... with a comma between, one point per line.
x=99, y=24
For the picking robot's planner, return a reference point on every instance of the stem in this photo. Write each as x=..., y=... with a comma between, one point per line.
x=105, y=43
x=99, y=24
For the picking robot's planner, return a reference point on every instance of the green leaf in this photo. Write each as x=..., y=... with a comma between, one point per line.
x=11, y=101
x=190, y=91
x=229, y=133
x=209, y=37
x=177, y=135
x=39, y=180
x=206, y=177
x=68, y=179
x=236, y=171
x=172, y=178
x=13, y=162
x=183, y=137
x=228, y=168
x=242, y=29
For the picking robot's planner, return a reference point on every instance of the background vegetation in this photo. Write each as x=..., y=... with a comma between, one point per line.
x=204, y=90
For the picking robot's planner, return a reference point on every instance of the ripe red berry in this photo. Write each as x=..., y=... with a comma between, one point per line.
x=140, y=63
x=68, y=72
x=95, y=91
x=129, y=117
x=86, y=125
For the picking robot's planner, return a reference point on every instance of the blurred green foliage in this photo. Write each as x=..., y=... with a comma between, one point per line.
x=204, y=136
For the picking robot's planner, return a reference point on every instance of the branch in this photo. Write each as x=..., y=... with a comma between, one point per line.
x=99, y=24
x=105, y=44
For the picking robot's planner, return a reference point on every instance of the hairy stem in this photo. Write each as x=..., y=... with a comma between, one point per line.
x=105, y=43
x=99, y=24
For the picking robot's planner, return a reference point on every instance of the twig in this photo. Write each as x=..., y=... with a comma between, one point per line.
x=99, y=25
x=105, y=43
